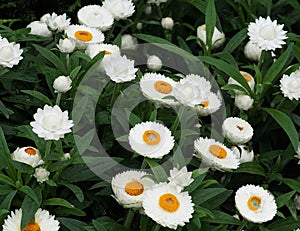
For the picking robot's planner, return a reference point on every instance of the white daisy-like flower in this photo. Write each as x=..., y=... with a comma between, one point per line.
x=10, y=53
x=58, y=22
x=180, y=177
x=243, y=102
x=66, y=45
x=210, y=104
x=62, y=84
x=28, y=155
x=84, y=35
x=237, y=130
x=249, y=79
x=151, y=139
x=119, y=68
x=120, y=9
x=154, y=63
x=129, y=188
x=39, y=28
x=218, y=37
x=243, y=153
x=290, y=84
x=43, y=222
x=168, y=207
x=215, y=154
x=41, y=174
x=252, y=51
x=93, y=49
x=128, y=42
x=51, y=123
x=156, y=87
x=255, y=203
x=95, y=16
x=267, y=34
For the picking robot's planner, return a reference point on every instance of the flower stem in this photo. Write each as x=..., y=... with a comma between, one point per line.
x=48, y=147
x=156, y=227
x=58, y=98
x=178, y=118
x=244, y=223
x=129, y=218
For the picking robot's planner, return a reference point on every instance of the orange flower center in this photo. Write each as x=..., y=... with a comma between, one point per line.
x=32, y=227
x=134, y=188
x=254, y=203
x=30, y=151
x=83, y=35
x=205, y=104
x=151, y=137
x=169, y=202
x=163, y=87
x=240, y=127
x=106, y=52
x=246, y=76
x=217, y=151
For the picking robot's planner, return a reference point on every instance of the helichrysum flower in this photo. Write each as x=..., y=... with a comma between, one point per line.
x=10, y=53
x=180, y=177
x=151, y=139
x=215, y=154
x=243, y=153
x=93, y=49
x=243, y=102
x=43, y=221
x=267, y=34
x=156, y=87
x=39, y=28
x=128, y=42
x=209, y=104
x=237, y=130
x=154, y=63
x=62, y=84
x=218, y=37
x=129, y=188
x=120, y=9
x=95, y=16
x=249, y=79
x=51, y=123
x=66, y=45
x=255, y=203
x=168, y=207
x=290, y=84
x=252, y=51
x=41, y=174
x=28, y=155
x=167, y=23
x=119, y=68
x=58, y=22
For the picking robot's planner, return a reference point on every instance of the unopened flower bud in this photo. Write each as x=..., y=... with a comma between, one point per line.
x=66, y=45
x=252, y=51
x=218, y=37
x=62, y=84
x=167, y=23
x=243, y=102
x=154, y=63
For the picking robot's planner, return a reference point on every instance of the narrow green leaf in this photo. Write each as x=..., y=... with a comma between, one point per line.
x=286, y=123
x=5, y=155
x=222, y=218
x=252, y=168
x=158, y=171
x=98, y=226
x=288, y=224
x=29, y=208
x=29, y=192
x=196, y=183
x=72, y=224
x=76, y=190
x=6, y=202
x=58, y=202
x=293, y=184
x=38, y=95
x=235, y=41
x=284, y=198
x=152, y=39
x=7, y=180
x=210, y=21
x=199, y=4
x=4, y=110
x=200, y=196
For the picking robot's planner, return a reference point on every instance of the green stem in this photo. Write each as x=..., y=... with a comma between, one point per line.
x=143, y=223
x=178, y=118
x=58, y=98
x=244, y=223
x=144, y=164
x=47, y=150
x=129, y=218
x=156, y=227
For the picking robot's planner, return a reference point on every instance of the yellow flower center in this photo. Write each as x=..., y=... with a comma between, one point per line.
x=240, y=127
x=254, y=203
x=246, y=76
x=32, y=227
x=163, y=87
x=217, y=151
x=151, y=137
x=30, y=151
x=169, y=202
x=134, y=188
x=83, y=35
x=205, y=104
x=268, y=32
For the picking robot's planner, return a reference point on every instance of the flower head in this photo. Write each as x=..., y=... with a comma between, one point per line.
x=167, y=23
x=120, y=9
x=168, y=207
x=210, y=103
x=41, y=174
x=43, y=221
x=154, y=63
x=249, y=79
x=10, y=53
x=28, y=155
x=252, y=51
x=128, y=42
x=180, y=177
x=51, y=123
x=218, y=37
x=93, y=49
x=39, y=28
x=58, y=22
x=267, y=34
x=255, y=203
x=151, y=139
x=243, y=153
x=62, y=84
x=290, y=84
x=66, y=45
x=243, y=102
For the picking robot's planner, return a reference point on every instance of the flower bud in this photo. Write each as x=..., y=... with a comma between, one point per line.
x=252, y=51
x=154, y=63
x=167, y=23
x=39, y=28
x=148, y=9
x=218, y=37
x=139, y=26
x=62, y=84
x=242, y=153
x=66, y=45
x=243, y=102
x=41, y=174
x=128, y=42
x=297, y=201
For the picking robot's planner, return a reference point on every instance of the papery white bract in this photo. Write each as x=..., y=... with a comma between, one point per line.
x=167, y=23
x=66, y=45
x=93, y=49
x=28, y=155
x=290, y=84
x=10, y=53
x=249, y=79
x=41, y=174
x=58, y=22
x=39, y=28
x=62, y=84
x=120, y=9
x=243, y=153
x=180, y=177
x=128, y=42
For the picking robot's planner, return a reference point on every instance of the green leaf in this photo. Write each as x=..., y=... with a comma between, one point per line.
x=72, y=224
x=29, y=192
x=284, y=198
x=76, y=190
x=286, y=123
x=4, y=110
x=221, y=218
x=200, y=196
x=158, y=171
x=199, y=4
x=38, y=95
x=29, y=208
x=152, y=39
x=287, y=224
x=235, y=41
x=98, y=226
x=210, y=21
x=5, y=156
x=293, y=184
x=58, y=202
x=252, y=168
x=6, y=202
x=7, y=180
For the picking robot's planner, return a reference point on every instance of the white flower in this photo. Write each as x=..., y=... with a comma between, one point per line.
x=119, y=68
x=139, y=26
x=218, y=37
x=252, y=51
x=157, y=2
x=51, y=123
x=297, y=201
x=58, y=22
x=130, y=187
x=62, y=84
x=45, y=17
x=237, y=130
x=266, y=33
x=249, y=79
x=66, y=45
x=156, y=87
x=180, y=177
x=66, y=156
x=41, y=174
x=93, y=49
x=168, y=207
x=95, y=16
x=215, y=154
x=10, y=53
x=28, y=155
x=210, y=104
x=151, y=139
x=243, y=153
x=243, y=102
x=120, y=9
x=43, y=221
x=255, y=203
x=167, y=23
x=154, y=63
x=290, y=84
x=128, y=42
x=39, y=28
x=84, y=35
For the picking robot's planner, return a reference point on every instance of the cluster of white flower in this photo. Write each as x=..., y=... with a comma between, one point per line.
x=10, y=53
